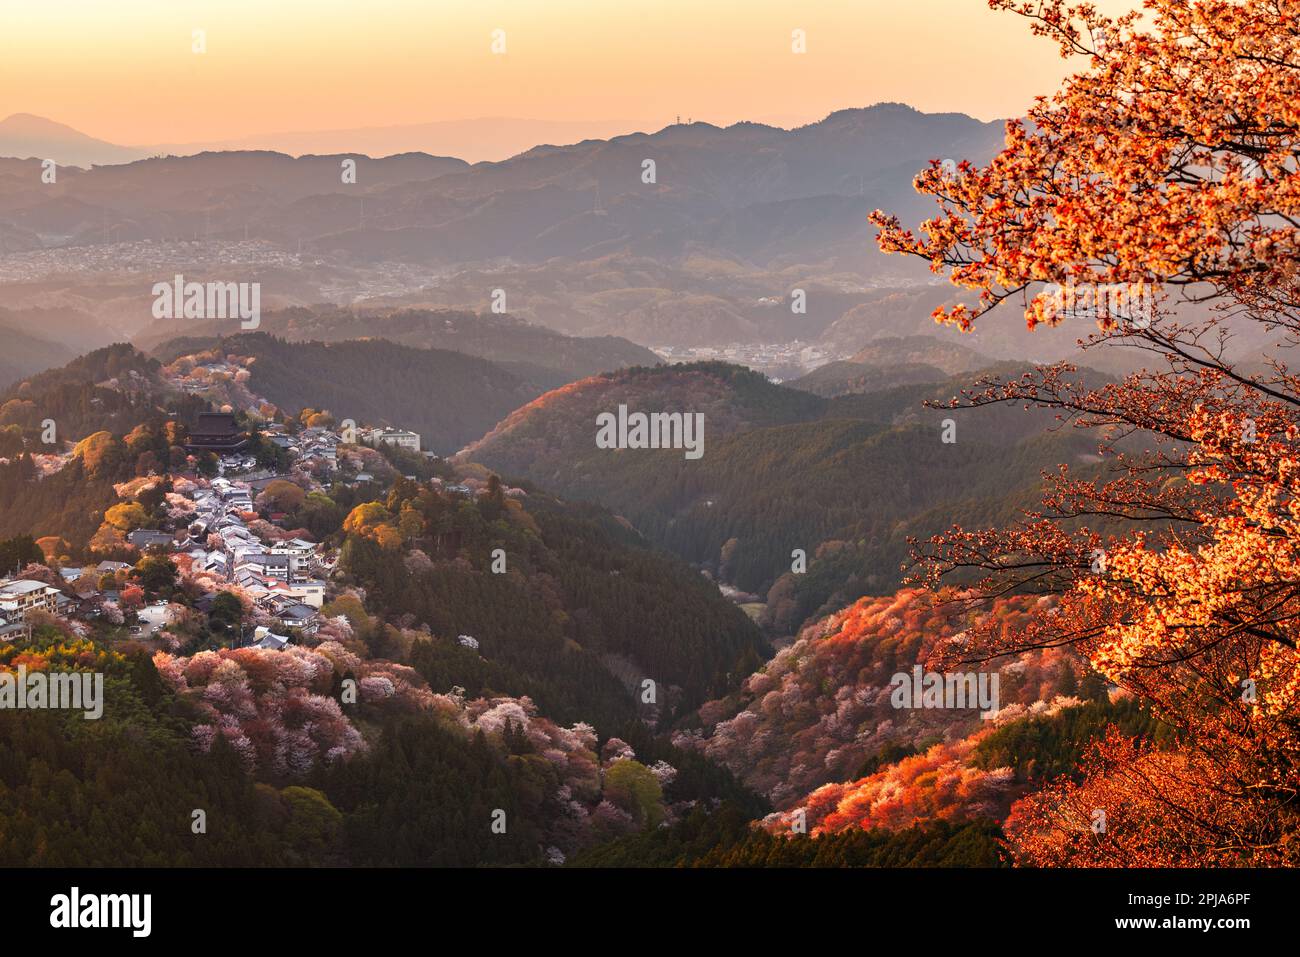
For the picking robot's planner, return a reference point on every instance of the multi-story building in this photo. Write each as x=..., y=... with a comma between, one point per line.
x=20, y=598
x=262, y=563
x=299, y=552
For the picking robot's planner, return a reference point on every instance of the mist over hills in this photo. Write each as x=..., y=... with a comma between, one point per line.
x=24, y=135
x=38, y=339
x=704, y=249
x=709, y=252
x=209, y=194
x=475, y=140
x=756, y=192
x=24, y=353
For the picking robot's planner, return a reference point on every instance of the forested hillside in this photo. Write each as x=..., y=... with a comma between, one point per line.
x=577, y=616
x=447, y=397
x=502, y=339
x=113, y=388
x=68, y=434
x=847, y=480
x=821, y=710
x=291, y=781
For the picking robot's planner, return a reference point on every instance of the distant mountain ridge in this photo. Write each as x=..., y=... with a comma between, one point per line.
x=535, y=353
x=484, y=139
x=25, y=353
x=691, y=235
x=24, y=135
x=746, y=188
x=475, y=140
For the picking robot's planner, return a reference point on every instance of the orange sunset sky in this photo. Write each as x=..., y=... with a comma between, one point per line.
x=123, y=70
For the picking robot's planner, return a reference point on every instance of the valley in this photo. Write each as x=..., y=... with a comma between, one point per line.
x=861, y=441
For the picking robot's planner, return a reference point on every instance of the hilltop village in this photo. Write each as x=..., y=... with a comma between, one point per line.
x=218, y=527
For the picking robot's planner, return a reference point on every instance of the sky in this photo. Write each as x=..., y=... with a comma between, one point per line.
x=125, y=70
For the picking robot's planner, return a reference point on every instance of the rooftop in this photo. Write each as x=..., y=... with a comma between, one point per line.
x=23, y=586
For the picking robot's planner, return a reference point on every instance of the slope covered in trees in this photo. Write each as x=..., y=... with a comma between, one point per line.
x=533, y=351
x=727, y=839
x=847, y=480
x=823, y=708
x=565, y=604
x=251, y=757
x=449, y=398
x=111, y=389
x=68, y=434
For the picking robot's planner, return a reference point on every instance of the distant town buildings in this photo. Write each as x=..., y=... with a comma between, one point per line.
x=773, y=359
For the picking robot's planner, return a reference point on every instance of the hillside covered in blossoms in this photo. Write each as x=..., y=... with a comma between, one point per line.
x=893, y=490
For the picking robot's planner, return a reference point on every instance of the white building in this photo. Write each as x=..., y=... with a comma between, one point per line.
x=21, y=597
x=398, y=437
x=299, y=552
x=310, y=592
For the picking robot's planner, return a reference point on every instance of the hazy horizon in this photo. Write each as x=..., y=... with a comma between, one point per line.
x=282, y=73
x=480, y=139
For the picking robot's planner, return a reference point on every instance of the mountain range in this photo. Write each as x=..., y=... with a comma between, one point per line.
x=485, y=138
x=691, y=235
x=710, y=246
x=24, y=135
x=755, y=192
